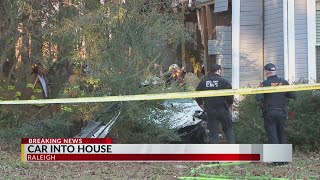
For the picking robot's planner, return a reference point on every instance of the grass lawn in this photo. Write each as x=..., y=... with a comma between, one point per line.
x=304, y=166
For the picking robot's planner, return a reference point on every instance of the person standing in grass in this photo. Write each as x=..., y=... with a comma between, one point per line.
x=273, y=106
x=217, y=108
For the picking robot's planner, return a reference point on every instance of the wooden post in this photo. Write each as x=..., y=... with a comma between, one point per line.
x=210, y=59
x=205, y=38
x=209, y=21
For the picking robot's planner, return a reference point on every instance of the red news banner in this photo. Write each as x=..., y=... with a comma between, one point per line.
x=102, y=149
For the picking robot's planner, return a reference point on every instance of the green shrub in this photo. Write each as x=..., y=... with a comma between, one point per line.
x=304, y=121
x=302, y=126
x=142, y=122
x=44, y=128
x=122, y=44
x=16, y=125
x=249, y=129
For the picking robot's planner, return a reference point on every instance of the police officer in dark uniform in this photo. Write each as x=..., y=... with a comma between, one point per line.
x=217, y=108
x=273, y=106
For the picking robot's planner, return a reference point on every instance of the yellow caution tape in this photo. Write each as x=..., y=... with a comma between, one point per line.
x=178, y=95
x=22, y=153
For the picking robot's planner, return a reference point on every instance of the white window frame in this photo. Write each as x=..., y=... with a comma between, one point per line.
x=317, y=5
x=312, y=44
x=235, y=44
x=289, y=40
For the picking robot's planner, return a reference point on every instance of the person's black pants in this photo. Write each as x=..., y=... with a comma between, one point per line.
x=274, y=122
x=216, y=116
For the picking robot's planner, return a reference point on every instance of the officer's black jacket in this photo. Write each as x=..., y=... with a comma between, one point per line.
x=274, y=100
x=214, y=82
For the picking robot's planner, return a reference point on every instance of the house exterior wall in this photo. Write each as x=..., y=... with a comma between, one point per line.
x=274, y=34
x=318, y=41
x=318, y=64
x=318, y=23
x=225, y=58
x=221, y=5
x=251, y=42
x=221, y=47
x=284, y=29
x=301, y=39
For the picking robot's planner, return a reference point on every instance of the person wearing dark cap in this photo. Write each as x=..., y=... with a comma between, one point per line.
x=217, y=108
x=273, y=106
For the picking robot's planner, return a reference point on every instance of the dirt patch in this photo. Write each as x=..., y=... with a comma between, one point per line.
x=304, y=166
x=12, y=168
